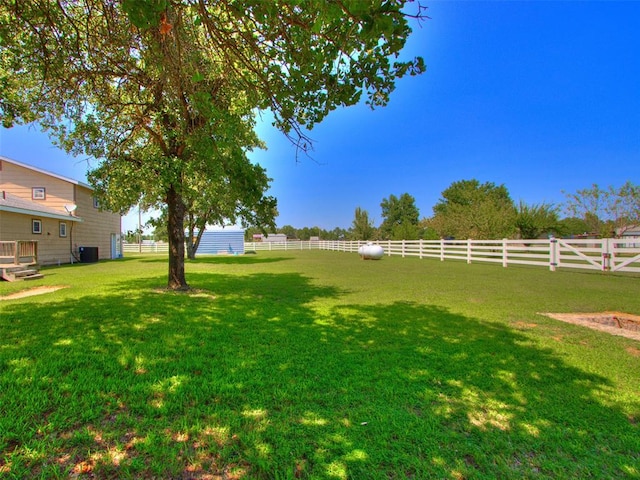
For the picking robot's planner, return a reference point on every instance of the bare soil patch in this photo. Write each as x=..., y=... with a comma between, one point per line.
x=32, y=291
x=614, y=323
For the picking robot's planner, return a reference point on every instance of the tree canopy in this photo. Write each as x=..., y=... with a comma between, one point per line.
x=362, y=226
x=165, y=91
x=400, y=218
x=533, y=220
x=470, y=209
x=236, y=198
x=606, y=211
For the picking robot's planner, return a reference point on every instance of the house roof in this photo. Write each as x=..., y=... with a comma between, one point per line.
x=14, y=204
x=51, y=174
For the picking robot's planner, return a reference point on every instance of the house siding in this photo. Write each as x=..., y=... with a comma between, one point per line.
x=89, y=226
x=20, y=181
x=96, y=227
x=51, y=247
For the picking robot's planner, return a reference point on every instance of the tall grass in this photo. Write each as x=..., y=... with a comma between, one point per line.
x=317, y=365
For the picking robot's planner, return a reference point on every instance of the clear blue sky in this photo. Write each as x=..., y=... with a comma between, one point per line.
x=543, y=97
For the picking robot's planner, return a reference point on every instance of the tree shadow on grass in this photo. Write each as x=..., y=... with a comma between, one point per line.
x=256, y=377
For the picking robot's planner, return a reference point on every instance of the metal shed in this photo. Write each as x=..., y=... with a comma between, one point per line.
x=221, y=241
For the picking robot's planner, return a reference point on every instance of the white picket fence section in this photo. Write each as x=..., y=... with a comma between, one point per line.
x=145, y=248
x=606, y=254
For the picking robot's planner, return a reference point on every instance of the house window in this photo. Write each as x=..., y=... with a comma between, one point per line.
x=36, y=226
x=38, y=193
x=63, y=229
x=95, y=203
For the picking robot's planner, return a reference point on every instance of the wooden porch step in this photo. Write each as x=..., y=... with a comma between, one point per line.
x=34, y=276
x=16, y=273
x=27, y=272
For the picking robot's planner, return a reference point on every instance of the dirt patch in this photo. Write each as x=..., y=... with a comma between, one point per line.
x=32, y=291
x=635, y=352
x=614, y=323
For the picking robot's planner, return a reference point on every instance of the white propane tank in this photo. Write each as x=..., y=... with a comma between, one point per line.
x=370, y=251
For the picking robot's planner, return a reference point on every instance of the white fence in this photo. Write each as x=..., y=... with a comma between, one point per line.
x=606, y=254
x=145, y=248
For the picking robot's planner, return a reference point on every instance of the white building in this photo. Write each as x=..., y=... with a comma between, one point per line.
x=216, y=240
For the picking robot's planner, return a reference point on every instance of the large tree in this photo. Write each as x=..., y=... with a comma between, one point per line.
x=606, y=211
x=588, y=204
x=236, y=196
x=289, y=230
x=572, y=226
x=232, y=201
x=470, y=209
x=533, y=220
x=160, y=89
x=401, y=218
x=624, y=207
x=362, y=226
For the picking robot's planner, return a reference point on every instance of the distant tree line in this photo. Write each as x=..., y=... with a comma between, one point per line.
x=466, y=209
x=305, y=233
x=484, y=211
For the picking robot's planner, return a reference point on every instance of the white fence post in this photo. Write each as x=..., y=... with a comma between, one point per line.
x=553, y=254
x=442, y=249
x=612, y=254
x=469, y=241
x=505, y=260
x=607, y=261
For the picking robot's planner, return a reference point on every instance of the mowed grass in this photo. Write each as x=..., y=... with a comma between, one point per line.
x=317, y=365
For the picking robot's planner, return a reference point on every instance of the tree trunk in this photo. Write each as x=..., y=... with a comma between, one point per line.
x=191, y=246
x=176, y=208
x=193, y=241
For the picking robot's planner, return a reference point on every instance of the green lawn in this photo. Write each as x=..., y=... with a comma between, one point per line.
x=317, y=365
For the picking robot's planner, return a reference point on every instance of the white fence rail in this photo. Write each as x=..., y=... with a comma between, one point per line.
x=606, y=254
x=145, y=248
